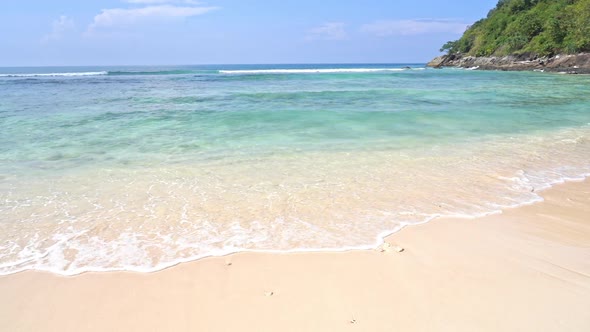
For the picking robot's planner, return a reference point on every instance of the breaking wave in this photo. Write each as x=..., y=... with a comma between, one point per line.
x=90, y=73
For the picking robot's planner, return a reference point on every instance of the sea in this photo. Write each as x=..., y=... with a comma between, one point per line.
x=139, y=168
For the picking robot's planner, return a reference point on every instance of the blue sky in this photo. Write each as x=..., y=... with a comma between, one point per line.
x=143, y=32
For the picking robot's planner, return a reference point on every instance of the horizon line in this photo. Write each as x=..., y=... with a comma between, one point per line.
x=219, y=64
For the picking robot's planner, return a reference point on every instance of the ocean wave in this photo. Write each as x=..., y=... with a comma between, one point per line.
x=314, y=71
x=154, y=72
x=132, y=251
x=223, y=71
x=150, y=219
x=90, y=73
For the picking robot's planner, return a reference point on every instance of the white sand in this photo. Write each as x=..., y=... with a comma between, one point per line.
x=525, y=270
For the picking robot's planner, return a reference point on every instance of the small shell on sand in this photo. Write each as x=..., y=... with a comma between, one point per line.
x=387, y=247
x=269, y=294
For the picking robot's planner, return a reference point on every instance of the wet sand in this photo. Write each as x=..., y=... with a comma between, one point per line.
x=527, y=269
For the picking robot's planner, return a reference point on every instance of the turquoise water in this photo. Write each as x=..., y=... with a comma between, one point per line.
x=138, y=168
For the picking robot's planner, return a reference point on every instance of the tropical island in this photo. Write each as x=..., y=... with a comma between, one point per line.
x=545, y=35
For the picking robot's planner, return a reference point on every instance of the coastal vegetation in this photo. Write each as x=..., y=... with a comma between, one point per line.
x=542, y=27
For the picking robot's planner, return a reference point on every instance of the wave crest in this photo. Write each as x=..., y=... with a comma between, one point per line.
x=90, y=73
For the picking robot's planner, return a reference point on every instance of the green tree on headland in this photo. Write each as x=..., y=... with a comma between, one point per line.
x=543, y=27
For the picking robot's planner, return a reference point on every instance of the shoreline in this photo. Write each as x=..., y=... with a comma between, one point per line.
x=379, y=241
x=525, y=269
x=561, y=63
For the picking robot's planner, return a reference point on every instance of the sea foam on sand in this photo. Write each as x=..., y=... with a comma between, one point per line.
x=523, y=270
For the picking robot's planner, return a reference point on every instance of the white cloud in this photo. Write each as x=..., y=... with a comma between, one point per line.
x=328, y=31
x=414, y=27
x=58, y=28
x=125, y=16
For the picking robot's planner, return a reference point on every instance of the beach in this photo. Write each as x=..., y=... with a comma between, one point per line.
x=293, y=198
x=526, y=269
x=178, y=165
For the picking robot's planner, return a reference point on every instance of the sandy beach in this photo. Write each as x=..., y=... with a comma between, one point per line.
x=278, y=166
x=527, y=269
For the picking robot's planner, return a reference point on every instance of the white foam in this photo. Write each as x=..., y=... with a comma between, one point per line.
x=90, y=73
x=313, y=71
x=194, y=238
x=130, y=254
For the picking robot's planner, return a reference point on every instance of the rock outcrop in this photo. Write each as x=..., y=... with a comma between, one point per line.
x=570, y=64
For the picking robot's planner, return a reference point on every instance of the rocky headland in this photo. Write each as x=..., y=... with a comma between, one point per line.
x=570, y=64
